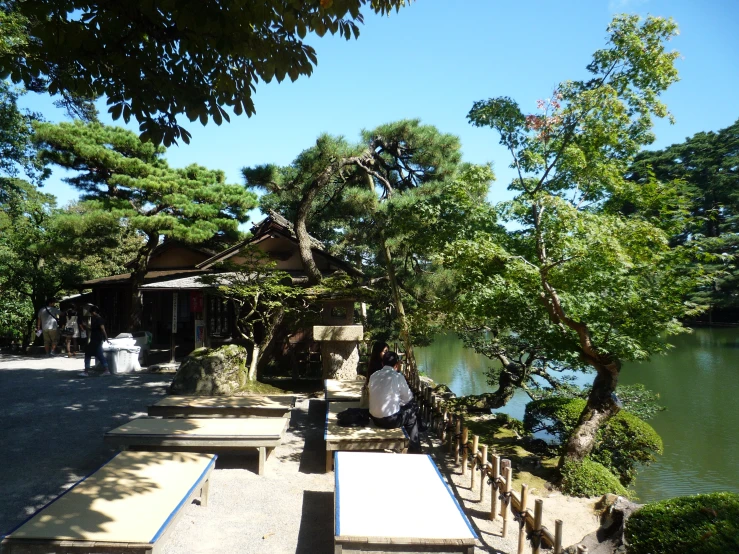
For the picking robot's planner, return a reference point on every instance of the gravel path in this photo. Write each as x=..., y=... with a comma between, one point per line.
x=54, y=421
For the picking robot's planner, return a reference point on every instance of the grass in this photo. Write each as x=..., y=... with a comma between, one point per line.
x=528, y=467
x=259, y=388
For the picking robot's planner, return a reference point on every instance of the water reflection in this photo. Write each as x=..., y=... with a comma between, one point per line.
x=698, y=381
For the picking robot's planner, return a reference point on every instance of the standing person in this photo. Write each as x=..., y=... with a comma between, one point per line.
x=47, y=321
x=97, y=335
x=72, y=325
x=391, y=402
x=375, y=360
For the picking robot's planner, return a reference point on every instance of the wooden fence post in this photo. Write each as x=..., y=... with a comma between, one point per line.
x=454, y=444
x=442, y=425
x=494, y=487
x=508, y=476
x=538, y=514
x=483, y=469
x=465, y=442
x=475, y=440
x=558, y=536
x=522, y=521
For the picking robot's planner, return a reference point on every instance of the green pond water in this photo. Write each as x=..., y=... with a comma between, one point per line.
x=698, y=382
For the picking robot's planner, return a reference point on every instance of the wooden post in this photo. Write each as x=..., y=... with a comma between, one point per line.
x=538, y=513
x=475, y=440
x=428, y=405
x=558, y=536
x=442, y=425
x=465, y=441
x=483, y=469
x=455, y=442
x=522, y=522
x=494, y=488
x=508, y=476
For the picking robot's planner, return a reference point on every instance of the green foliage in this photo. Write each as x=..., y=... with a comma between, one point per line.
x=155, y=63
x=570, y=283
x=404, y=187
x=588, y=478
x=689, y=189
x=17, y=152
x=700, y=524
x=623, y=444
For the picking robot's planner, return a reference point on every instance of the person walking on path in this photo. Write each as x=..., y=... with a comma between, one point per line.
x=97, y=335
x=71, y=325
x=391, y=402
x=47, y=321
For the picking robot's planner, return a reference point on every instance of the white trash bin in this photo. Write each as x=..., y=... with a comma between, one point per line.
x=121, y=359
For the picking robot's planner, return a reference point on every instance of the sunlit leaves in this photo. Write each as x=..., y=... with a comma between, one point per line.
x=178, y=58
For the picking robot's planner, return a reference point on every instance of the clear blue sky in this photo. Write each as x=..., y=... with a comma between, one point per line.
x=434, y=58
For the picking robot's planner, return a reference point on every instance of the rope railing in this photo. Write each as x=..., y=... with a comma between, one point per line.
x=494, y=472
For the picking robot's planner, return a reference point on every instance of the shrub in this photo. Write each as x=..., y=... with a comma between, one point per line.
x=556, y=415
x=701, y=524
x=589, y=478
x=622, y=445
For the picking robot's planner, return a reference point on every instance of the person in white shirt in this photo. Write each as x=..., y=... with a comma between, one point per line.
x=391, y=402
x=47, y=321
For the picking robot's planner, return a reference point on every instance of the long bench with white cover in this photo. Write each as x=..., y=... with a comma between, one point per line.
x=396, y=503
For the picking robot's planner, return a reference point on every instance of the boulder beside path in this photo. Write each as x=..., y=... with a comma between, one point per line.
x=206, y=371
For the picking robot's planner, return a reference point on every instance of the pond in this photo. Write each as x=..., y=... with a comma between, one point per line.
x=698, y=382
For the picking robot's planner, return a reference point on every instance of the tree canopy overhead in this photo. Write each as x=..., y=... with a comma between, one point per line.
x=157, y=60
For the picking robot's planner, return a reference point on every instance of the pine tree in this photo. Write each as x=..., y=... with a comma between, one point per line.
x=120, y=174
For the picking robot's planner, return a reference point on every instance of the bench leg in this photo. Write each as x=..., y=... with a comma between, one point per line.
x=329, y=460
x=262, y=458
x=204, y=491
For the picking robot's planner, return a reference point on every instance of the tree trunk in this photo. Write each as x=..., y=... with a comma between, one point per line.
x=301, y=232
x=405, y=334
x=264, y=345
x=600, y=408
x=137, y=279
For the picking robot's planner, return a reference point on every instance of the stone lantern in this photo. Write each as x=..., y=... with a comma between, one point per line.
x=339, y=341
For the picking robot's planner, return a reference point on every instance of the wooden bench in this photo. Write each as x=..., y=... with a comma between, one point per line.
x=223, y=406
x=127, y=506
x=343, y=391
x=390, y=503
x=201, y=435
x=358, y=438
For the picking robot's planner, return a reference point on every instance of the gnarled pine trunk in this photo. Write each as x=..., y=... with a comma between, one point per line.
x=137, y=279
x=600, y=408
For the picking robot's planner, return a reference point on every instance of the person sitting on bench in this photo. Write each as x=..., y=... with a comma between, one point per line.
x=391, y=402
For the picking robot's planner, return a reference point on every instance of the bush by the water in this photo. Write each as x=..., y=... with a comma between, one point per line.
x=622, y=445
x=589, y=478
x=701, y=524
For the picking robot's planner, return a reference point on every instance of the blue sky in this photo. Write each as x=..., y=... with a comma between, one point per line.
x=434, y=58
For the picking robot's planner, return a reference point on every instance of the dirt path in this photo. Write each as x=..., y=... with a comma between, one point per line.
x=54, y=421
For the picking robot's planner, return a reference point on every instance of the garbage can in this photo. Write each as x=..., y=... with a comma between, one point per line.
x=142, y=339
x=122, y=359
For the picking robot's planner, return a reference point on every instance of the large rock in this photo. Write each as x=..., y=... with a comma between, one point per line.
x=609, y=538
x=211, y=372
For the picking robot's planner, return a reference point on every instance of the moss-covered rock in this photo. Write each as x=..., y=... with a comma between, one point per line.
x=701, y=524
x=221, y=371
x=589, y=478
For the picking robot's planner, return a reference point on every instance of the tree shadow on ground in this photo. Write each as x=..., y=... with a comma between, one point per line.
x=316, y=532
x=308, y=426
x=53, y=427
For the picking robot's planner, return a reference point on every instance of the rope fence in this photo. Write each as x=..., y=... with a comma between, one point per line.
x=489, y=470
